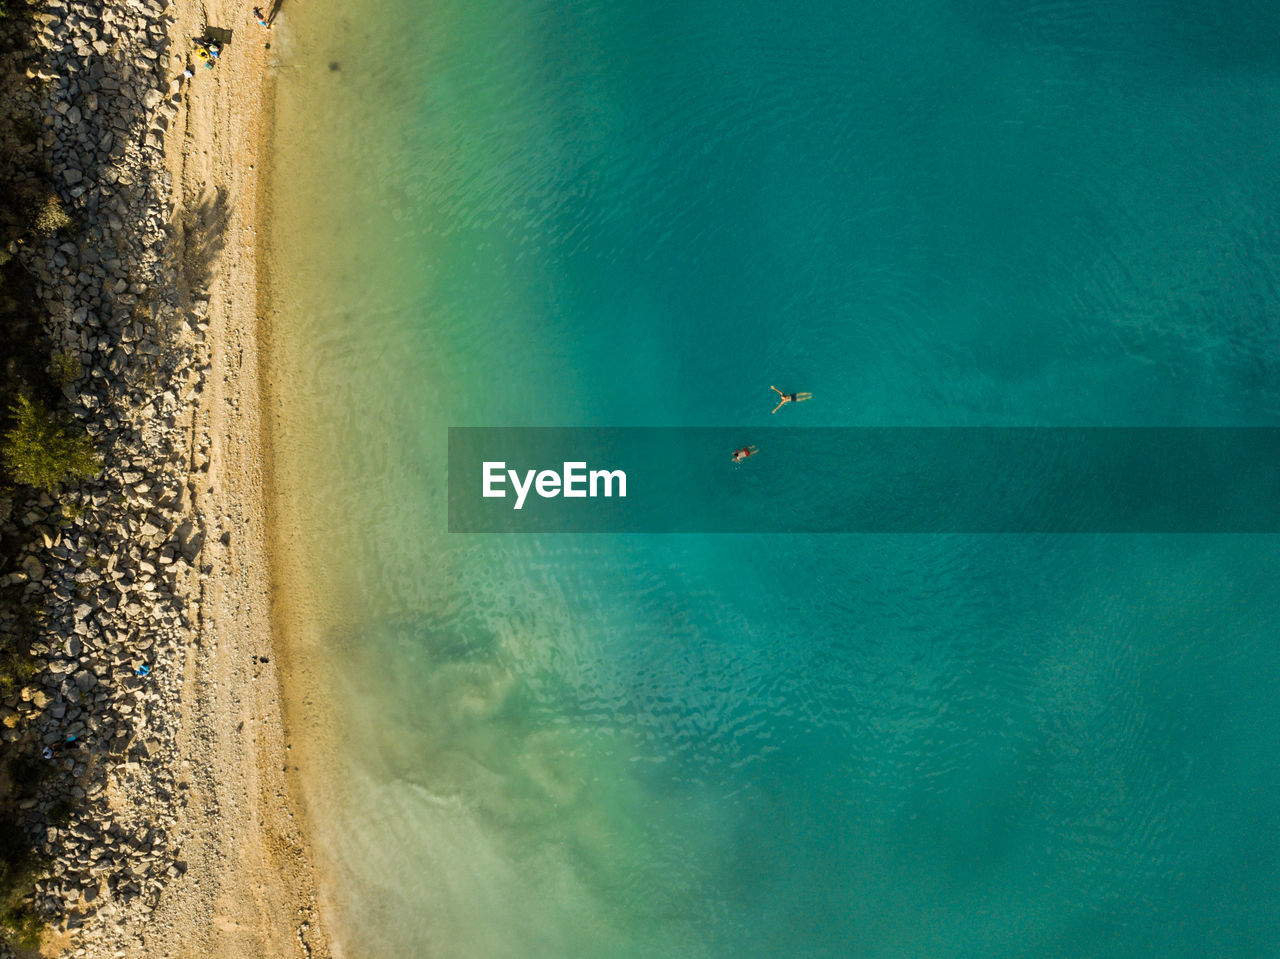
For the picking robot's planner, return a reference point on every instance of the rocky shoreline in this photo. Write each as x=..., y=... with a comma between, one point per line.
x=114, y=569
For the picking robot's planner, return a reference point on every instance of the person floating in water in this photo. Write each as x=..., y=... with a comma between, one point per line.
x=739, y=455
x=789, y=398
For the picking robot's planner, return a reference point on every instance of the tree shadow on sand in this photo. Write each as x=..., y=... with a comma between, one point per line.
x=203, y=229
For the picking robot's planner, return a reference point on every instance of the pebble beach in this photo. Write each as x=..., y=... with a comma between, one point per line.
x=164, y=814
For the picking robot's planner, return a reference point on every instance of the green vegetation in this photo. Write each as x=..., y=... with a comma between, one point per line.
x=39, y=451
x=21, y=774
x=43, y=451
x=31, y=206
x=48, y=215
x=65, y=367
x=16, y=670
x=22, y=925
x=18, y=869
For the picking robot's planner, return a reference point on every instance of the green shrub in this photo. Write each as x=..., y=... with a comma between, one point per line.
x=22, y=926
x=16, y=670
x=42, y=451
x=65, y=367
x=50, y=215
x=18, y=870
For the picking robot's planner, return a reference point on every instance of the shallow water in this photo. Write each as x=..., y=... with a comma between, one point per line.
x=620, y=213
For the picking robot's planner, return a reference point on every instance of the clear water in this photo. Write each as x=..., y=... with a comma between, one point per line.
x=640, y=213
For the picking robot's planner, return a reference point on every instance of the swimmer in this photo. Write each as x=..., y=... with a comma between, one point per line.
x=739, y=455
x=789, y=398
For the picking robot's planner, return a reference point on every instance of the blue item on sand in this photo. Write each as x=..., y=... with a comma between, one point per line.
x=144, y=669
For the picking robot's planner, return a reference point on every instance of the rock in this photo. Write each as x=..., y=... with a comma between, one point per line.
x=72, y=175
x=85, y=680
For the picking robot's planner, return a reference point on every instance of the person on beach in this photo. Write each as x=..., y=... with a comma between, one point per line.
x=789, y=398
x=739, y=455
x=262, y=20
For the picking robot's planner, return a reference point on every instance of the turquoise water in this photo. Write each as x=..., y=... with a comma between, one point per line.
x=588, y=213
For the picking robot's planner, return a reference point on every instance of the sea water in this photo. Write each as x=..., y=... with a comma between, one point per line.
x=626, y=213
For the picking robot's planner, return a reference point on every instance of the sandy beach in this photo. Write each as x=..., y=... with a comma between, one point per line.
x=189, y=842
x=249, y=888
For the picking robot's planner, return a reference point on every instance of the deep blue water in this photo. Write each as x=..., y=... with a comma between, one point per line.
x=616, y=213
